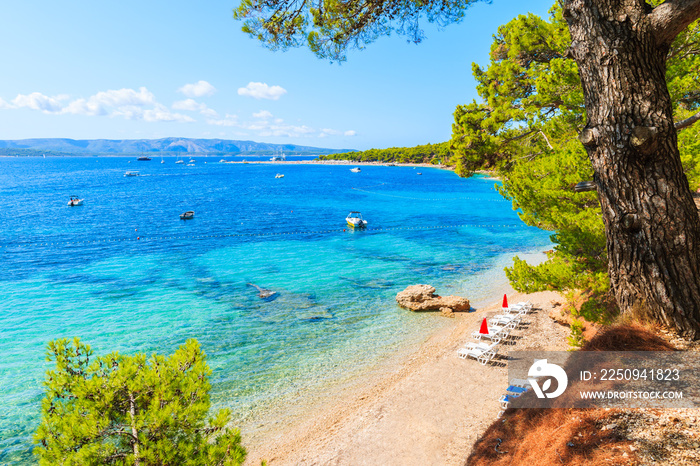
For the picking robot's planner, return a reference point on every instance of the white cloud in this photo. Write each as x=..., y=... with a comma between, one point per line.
x=39, y=101
x=114, y=102
x=228, y=120
x=262, y=114
x=198, y=89
x=262, y=91
x=350, y=133
x=194, y=106
x=286, y=131
x=161, y=113
x=131, y=104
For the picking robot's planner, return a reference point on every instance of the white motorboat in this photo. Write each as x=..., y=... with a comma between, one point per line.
x=355, y=170
x=131, y=174
x=354, y=220
x=187, y=215
x=279, y=175
x=74, y=201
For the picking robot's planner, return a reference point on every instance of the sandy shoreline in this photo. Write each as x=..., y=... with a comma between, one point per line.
x=339, y=162
x=428, y=409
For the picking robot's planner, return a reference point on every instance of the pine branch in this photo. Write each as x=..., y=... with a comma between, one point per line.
x=671, y=17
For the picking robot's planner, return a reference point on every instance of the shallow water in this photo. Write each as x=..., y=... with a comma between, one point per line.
x=124, y=273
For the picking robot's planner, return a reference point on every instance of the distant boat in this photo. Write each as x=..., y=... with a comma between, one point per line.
x=419, y=173
x=190, y=165
x=279, y=158
x=279, y=175
x=355, y=170
x=74, y=201
x=354, y=220
x=179, y=160
x=191, y=161
x=222, y=161
x=131, y=174
x=143, y=158
x=187, y=215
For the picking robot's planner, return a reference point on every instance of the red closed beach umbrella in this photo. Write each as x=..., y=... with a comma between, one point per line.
x=505, y=301
x=484, y=327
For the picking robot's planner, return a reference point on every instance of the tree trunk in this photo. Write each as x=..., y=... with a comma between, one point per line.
x=652, y=224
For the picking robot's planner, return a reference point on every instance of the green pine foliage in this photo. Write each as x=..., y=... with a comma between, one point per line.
x=428, y=153
x=526, y=127
x=132, y=410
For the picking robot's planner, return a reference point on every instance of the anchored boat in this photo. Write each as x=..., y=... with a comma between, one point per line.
x=74, y=201
x=187, y=215
x=355, y=220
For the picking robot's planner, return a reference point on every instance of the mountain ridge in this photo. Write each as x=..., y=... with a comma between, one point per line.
x=171, y=145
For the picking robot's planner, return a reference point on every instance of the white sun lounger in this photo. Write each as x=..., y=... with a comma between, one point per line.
x=505, y=320
x=516, y=310
x=496, y=333
x=479, y=351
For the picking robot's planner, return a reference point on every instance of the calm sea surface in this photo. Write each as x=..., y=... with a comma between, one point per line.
x=124, y=273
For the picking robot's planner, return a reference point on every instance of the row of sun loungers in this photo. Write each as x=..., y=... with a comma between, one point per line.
x=498, y=328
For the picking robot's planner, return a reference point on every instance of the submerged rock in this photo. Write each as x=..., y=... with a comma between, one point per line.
x=423, y=298
x=262, y=292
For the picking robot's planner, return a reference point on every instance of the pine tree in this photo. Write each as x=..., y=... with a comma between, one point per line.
x=132, y=410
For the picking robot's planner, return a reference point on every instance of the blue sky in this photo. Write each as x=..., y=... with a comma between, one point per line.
x=150, y=69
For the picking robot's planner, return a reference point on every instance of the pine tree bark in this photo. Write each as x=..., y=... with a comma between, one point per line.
x=652, y=224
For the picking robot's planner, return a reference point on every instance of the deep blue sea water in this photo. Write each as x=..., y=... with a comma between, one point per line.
x=124, y=273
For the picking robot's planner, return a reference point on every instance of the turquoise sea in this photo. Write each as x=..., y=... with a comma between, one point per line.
x=124, y=273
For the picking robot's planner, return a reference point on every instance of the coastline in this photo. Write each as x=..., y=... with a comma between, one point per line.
x=425, y=407
x=341, y=162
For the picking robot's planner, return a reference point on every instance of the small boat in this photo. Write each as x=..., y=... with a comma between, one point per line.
x=187, y=215
x=74, y=201
x=222, y=161
x=191, y=161
x=190, y=165
x=143, y=159
x=355, y=170
x=131, y=174
x=355, y=220
x=179, y=160
x=419, y=173
x=278, y=158
x=279, y=175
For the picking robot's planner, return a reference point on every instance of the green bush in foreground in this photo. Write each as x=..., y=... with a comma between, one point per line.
x=132, y=410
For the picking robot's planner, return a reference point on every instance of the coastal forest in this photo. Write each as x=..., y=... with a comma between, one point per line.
x=614, y=249
x=435, y=154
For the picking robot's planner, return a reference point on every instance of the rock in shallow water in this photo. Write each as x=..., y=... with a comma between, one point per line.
x=423, y=298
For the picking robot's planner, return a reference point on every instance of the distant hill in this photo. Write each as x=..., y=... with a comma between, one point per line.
x=165, y=146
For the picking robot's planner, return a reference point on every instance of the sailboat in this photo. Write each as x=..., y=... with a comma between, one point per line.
x=179, y=160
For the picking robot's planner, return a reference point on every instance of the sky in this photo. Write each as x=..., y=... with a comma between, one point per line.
x=152, y=69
